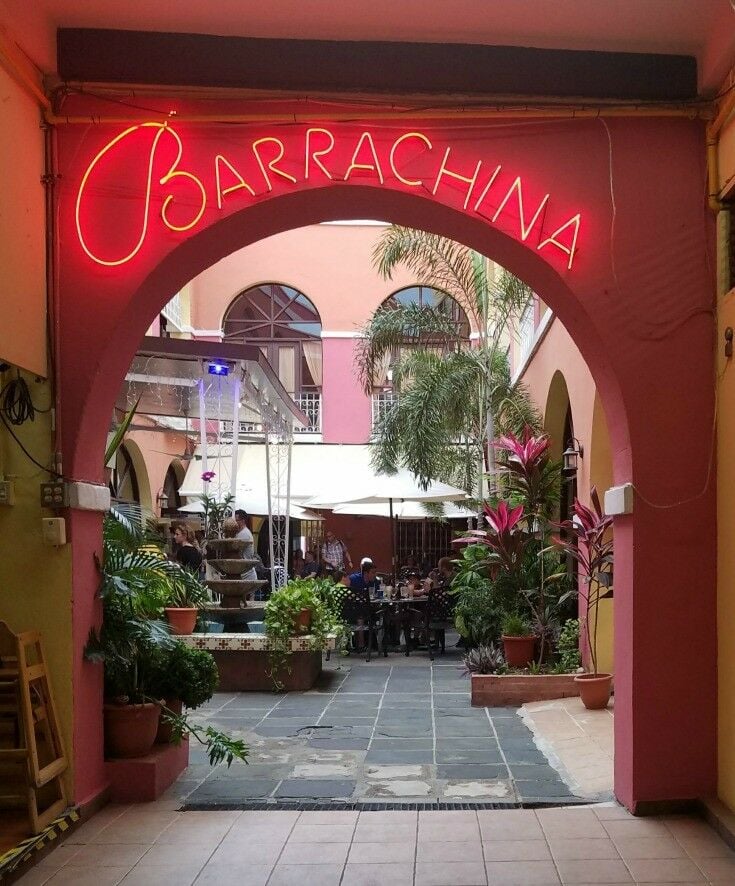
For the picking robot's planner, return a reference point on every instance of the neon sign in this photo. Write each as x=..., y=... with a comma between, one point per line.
x=266, y=166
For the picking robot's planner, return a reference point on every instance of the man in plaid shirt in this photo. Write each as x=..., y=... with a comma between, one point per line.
x=335, y=554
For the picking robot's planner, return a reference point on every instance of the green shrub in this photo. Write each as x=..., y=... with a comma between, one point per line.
x=181, y=672
x=568, y=647
x=483, y=660
x=516, y=626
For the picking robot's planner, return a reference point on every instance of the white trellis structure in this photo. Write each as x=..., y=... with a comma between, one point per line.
x=248, y=393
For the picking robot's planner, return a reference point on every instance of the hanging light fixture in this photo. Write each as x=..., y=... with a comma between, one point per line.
x=161, y=499
x=570, y=457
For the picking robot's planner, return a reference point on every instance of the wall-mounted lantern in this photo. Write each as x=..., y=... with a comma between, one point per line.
x=570, y=458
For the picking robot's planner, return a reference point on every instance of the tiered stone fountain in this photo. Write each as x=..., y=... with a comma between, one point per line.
x=224, y=555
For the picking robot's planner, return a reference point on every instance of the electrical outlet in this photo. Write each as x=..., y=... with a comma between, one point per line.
x=54, y=495
x=54, y=530
x=7, y=492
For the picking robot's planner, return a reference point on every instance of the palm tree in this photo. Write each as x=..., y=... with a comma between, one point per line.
x=453, y=399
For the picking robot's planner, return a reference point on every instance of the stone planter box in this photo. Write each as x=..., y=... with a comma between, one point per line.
x=242, y=661
x=501, y=690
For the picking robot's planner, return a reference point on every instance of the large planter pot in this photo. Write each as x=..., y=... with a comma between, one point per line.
x=163, y=736
x=130, y=729
x=594, y=690
x=182, y=621
x=303, y=621
x=519, y=650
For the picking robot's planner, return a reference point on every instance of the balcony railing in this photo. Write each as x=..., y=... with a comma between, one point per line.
x=173, y=313
x=310, y=403
x=382, y=402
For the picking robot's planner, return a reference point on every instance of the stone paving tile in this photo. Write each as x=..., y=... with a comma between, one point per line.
x=301, y=787
x=399, y=756
x=476, y=771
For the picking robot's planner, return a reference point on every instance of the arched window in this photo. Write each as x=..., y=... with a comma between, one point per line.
x=422, y=296
x=287, y=327
x=427, y=296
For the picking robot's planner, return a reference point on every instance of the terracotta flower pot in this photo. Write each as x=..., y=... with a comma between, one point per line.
x=303, y=621
x=163, y=736
x=130, y=729
x=594, y=690
x=182, y=621
x=519, y=650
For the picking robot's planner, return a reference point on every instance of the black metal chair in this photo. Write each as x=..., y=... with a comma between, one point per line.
x=439, y=617
x=360, y=618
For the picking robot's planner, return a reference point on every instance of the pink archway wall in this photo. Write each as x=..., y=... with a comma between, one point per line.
x=638, y=306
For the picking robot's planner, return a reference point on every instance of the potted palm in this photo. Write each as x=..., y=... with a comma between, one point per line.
x=588, y=539
x=185, y=595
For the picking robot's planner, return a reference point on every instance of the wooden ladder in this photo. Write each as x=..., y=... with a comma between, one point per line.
x=32, y=757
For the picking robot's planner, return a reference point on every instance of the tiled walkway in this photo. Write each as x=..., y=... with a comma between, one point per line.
x=378, y=731
x=154, y=845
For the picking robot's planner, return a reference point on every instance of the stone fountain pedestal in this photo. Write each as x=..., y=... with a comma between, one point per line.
x=224, y=555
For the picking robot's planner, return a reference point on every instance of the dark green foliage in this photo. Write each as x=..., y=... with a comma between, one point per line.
x=180, y=672
x=568, y=647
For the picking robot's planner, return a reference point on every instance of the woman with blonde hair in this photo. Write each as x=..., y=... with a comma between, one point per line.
x=187, y=552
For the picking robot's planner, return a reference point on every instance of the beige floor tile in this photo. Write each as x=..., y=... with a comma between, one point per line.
x=280, y=818
x=227, y=875
x=685, y=828
x=247, y=852
x=718, y=870
x=390, y=817
x=447, y=817
x=593, y=871
x=58, y=858
x=383, y=833
x=516, y=850
x=347, y=816
x=635, y=828
x=381, y=853
x=126, y=830
x=509, y=824
x=194, y=832
x=445, y=852
x=452, y=831
x=108, y=855
x=649, y=847
x=171, y=854
x=35, y=877
x=664, y=870
x=570, y=823
x=302, y=875
x=92, y=876
x=450, y=874
x=578, y=848
x=707, y=846
x=163, y=875
x=378, y=875
x=320, y=853
x=321, y=833
x=521, y=873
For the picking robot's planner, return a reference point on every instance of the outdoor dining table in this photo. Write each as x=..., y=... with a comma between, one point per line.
x=396, y=609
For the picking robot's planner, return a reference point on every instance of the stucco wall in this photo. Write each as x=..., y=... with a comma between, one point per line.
x=22, y=226
x=726, y=561
x=558, y=357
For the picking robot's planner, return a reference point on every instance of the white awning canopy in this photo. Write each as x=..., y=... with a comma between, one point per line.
x=330, y=473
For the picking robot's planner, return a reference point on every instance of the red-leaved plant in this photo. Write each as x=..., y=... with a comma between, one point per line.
x=505, y=537
x=588, y=540
x=530, y=473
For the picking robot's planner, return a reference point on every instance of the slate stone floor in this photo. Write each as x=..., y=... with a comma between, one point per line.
x=392, y=730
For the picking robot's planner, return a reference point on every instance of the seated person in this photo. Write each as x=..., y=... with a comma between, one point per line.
x=341, y=578
x=414, y=586
x=311, y=567
x=365, y=580
x=298, y=563
x=445, y=573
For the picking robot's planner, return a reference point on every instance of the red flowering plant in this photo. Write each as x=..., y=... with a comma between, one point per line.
x=505, y=538
x=588, y=540
x=529, y=474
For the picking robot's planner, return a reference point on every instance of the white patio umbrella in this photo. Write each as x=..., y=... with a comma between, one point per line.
x=257, y=507
x=402, y=510
x=389, y=489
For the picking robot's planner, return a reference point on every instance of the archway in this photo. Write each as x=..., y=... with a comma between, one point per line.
x=611, y=308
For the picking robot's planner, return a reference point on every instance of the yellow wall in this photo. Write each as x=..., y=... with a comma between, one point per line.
x=601, y=477
x=22, y=225
x=35, y=579
x=726, y=558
